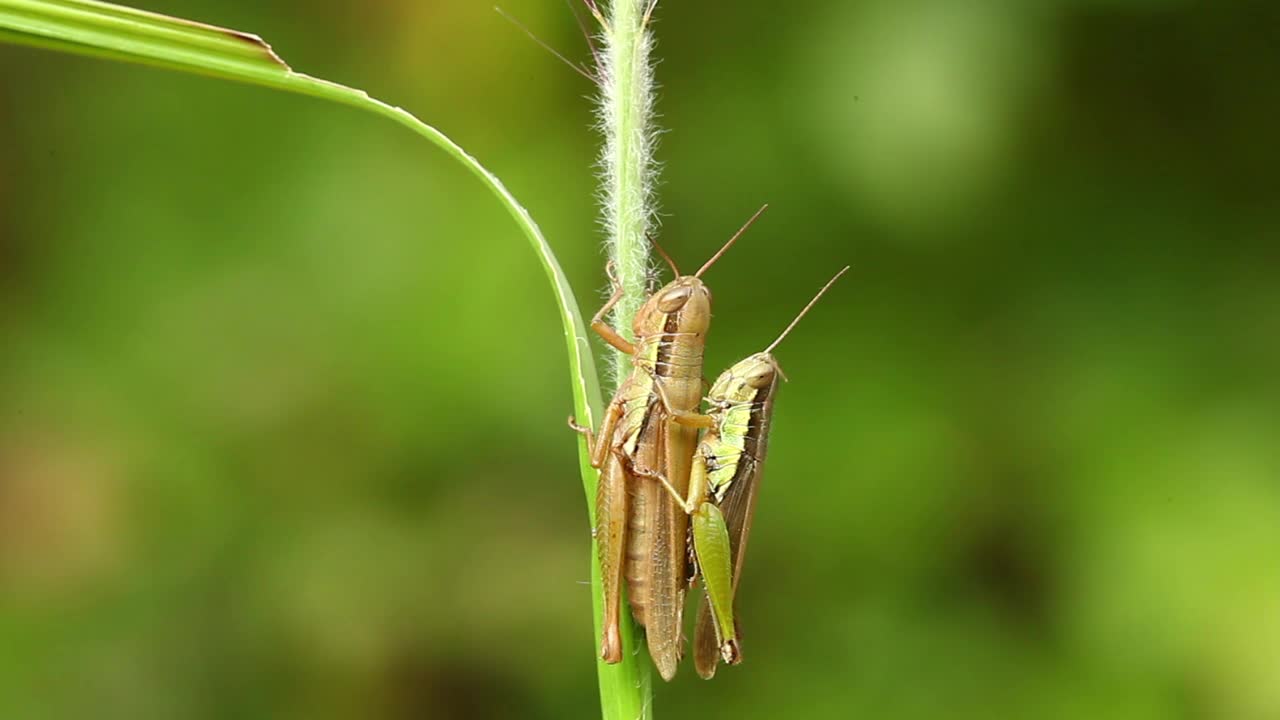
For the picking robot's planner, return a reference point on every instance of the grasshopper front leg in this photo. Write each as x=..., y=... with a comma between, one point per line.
x=598, y=323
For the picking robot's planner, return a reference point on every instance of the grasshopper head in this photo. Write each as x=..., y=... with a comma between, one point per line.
x=748, y=380
x=761, y=371
x=684, y=305
x=681, y=306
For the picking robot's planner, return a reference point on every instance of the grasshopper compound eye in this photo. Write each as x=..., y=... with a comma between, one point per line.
x=760, y=376
x=674, y=299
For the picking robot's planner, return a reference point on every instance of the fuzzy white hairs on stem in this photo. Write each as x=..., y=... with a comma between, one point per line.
x=628, y=171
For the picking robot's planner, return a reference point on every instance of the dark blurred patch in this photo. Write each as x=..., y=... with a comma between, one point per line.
x=10, y=271
x=1008, y=571
x=421, y=687
x=1180, y=93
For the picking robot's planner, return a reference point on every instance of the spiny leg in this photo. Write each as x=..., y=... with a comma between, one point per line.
x=611, y=525
x=711, y=543
x=597, y=444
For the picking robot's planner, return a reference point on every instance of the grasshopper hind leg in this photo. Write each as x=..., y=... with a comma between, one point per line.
x=711, y=543
x=610, y=535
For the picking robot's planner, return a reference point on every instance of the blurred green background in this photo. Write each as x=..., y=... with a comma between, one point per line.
x=282, y=388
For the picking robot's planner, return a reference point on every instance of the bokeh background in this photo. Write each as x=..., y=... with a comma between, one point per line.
x=282, y=389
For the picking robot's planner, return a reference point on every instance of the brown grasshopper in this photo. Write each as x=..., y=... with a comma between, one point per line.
x=640, y=532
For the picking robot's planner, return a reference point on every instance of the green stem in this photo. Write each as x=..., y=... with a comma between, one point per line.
x=626, y=108
x=628, y=171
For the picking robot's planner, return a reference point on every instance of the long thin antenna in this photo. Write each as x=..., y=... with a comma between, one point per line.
x=815, y=299
x=732, y=240
x=665, y=256
x=595, y=11
x=582, y=25
x=576, y=67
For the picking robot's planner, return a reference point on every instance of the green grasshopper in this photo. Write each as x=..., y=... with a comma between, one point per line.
x=722, y=489
x=640, y=533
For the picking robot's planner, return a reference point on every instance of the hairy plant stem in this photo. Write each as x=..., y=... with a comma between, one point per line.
x=628, y=172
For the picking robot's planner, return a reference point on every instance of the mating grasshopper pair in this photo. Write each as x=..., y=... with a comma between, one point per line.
x=655, y=474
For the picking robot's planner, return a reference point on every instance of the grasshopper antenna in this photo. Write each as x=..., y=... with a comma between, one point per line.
x=815, y=299
x=732, y=240
x=591, y=44
x=576, y=67
x=665, y=256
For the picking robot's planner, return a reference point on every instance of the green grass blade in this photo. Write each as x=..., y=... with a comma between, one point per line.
x=103, y=30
